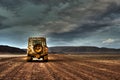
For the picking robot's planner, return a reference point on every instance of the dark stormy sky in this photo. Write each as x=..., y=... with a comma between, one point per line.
x=63, y=22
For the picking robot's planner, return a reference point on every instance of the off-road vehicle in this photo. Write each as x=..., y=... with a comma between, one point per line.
x=37, y=48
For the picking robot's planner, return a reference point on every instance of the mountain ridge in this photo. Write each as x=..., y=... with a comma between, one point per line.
x=62, y=49
x=77, y=49
x=10, y=49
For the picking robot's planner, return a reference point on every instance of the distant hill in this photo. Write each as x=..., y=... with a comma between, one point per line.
x=82, y=49
x=62, y=49
x=8, y=49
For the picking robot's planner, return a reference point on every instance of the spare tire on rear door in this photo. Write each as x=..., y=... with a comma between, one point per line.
x=37, y=48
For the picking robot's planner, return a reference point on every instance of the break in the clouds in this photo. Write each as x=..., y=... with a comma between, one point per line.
x=63, y=22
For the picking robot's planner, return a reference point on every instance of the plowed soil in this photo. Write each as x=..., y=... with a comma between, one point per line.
x=61, y=67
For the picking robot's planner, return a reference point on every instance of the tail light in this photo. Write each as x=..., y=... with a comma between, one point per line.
x=46, y=49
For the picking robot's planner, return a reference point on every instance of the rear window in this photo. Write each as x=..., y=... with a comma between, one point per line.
x=37, y=42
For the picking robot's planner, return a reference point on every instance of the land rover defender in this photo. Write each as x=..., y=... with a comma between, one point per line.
x=37, y=48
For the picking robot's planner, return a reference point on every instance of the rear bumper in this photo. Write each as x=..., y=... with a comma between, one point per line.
x=37, y=55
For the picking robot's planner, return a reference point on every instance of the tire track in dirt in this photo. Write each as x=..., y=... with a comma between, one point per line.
x=38, y=71
x=102, y=69
x=62, y=73
x=8, y=73
x=4, y=61
x=103, y=72
x=79, y=71
x=55, y=73
x=59, y=67
x=83, y=72
x=109, y=62
x=111, y=68
x=99, y=71
x=108, y=65
x=12, y=72
x=24, y=73
x=72, y=69
x=6, y=64
x=47, y=75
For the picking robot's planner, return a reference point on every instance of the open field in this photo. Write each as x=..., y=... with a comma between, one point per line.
x=61, y=67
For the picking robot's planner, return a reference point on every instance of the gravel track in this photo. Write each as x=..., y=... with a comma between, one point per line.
x=61, y=67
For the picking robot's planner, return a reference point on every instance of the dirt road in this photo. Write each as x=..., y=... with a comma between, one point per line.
x=62, y=67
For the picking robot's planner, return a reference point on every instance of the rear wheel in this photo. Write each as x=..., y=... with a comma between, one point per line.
x=29, y=58
x=45, y=58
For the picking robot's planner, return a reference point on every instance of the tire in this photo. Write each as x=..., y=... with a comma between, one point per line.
x=29, y=59
x=37, y=48
x=45, y=58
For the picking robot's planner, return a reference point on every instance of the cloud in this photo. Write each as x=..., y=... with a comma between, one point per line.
x=60, y=20
x=70, y=12
x=5, y=15
x=109, y=41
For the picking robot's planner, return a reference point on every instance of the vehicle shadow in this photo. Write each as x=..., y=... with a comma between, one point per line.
x=23, y=59
x=50, y=60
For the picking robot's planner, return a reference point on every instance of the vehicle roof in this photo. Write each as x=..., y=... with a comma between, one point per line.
x=37, y=38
